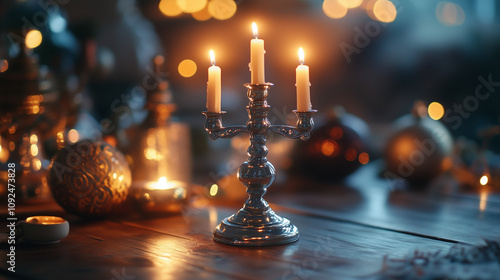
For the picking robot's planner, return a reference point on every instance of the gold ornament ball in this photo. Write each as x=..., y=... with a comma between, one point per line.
x=89, y=179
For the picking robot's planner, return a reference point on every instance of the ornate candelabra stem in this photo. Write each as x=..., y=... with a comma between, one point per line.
x=256, y=224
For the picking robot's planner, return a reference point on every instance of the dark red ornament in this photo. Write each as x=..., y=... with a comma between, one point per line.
x=335, y=149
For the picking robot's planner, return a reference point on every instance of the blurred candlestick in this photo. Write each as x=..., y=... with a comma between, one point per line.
x=257, y=57
x=303, y=85
x=213, y=86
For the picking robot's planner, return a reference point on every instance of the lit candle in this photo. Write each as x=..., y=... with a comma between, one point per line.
x=213, y=86
x=257, y=57
x=303, y=85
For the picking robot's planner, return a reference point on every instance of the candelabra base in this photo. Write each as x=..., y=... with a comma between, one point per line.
x=263, y=229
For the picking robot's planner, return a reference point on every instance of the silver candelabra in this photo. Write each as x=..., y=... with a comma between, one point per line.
x=256, y=224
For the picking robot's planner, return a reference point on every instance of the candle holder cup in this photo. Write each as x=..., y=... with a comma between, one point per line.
x=256, y=224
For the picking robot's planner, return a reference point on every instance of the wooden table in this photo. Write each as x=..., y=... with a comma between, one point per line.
x=346, y=231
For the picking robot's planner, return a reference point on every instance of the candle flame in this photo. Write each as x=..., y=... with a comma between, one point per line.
x=484, y=180
x=301, y=55
x=255, y=30
x=212, y=57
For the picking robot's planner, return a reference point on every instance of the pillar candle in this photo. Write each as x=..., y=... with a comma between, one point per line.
x=303, y=85
x=257, y=58
x=213, y=86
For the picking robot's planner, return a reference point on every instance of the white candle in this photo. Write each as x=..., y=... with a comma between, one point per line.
x=303, y=85
x=213, y=86
x=257, y=57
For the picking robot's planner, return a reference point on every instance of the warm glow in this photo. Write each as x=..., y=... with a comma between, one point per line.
x=364, y=158
x=37, y=164
x=255, y=30
x=33, y=139
x=384, y=11
x=333, y=9
x=4, y=65
x=202, y=15
x=328, y=148
x=73, y=136
x=350, y=3
x=163, y=184
x=212, y=57
x=450, y=13
x=34, y=150
x=33, y=39
x=435, y=110
x=191, y=6
x=45, y=220
x=404, y=146
x=483, y=199
x=187, y=68
x=484, y=180
x=222, y=9
x=170, y=8
x=214, y=189
x=301, y=55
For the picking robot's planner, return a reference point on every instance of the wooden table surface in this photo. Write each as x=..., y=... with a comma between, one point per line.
x=346, y=231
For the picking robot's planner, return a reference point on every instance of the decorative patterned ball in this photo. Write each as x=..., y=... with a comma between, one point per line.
x=419, y=150
x=89, y=178
x=335, y=149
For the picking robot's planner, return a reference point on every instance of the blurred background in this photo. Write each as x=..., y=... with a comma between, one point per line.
x=375, y=58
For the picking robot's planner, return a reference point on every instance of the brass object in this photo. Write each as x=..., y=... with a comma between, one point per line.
x=89, y=178
x=256, y=224
x=28, y=117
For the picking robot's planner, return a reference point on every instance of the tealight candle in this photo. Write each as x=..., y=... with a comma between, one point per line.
x=159, y=197
x=43, y=229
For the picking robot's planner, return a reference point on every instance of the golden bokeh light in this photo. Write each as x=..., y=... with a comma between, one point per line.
x=191, y=6
x=435, y=111
x=364, y=158
x=384, y=11
x=33, y=139
x=73, y=136
x=222, y=9
x=170, y=8
x=202, y=15
x=33, y=39
x=37, y=164
x=450, y=13
x=330, y=148
x=350, y=4
x=4, y=65
x=484, y=180
x=333, y=9
x=34, y=150
x=187, y=68
x=214, y=189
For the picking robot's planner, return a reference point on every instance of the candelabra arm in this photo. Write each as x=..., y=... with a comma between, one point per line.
x=301, y=130
x=215, y=128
